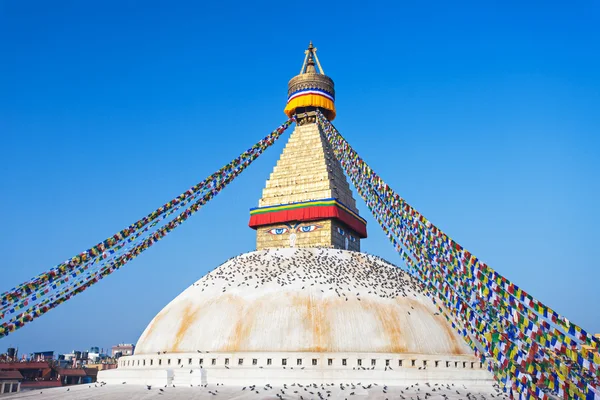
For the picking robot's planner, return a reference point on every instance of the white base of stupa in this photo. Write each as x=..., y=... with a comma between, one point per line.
x=184, y=369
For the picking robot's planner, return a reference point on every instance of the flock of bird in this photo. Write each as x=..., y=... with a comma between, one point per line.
x=298, y=391
x=347, y=274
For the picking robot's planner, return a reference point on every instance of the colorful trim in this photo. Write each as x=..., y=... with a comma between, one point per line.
x=311, y=100
x=324, y=202
x=308, y=211
x=304, y=92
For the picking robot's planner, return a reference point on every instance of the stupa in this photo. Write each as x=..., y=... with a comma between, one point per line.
x=307, y=306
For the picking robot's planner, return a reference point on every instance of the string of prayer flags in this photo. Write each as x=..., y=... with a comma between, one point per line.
x=530, y=349
x=39, y=295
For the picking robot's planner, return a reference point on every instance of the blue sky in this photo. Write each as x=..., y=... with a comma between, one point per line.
x=483, y=115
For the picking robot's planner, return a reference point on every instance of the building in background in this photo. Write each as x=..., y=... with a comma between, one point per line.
x=76, y=358
x=42, y=356
x=11, y=355
x=42, y=369
x=94, y=355
x=109, y=364
x=76, y=376
x=33, y=374
x=122, y=349
x=10, y=381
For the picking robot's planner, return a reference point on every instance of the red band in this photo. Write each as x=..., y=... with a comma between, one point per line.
x=309, y=214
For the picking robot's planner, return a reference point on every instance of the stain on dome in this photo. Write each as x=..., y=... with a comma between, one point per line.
x=303, y=299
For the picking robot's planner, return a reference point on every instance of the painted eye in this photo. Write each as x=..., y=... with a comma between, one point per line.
x=277, y=231
x=309, y=228
x=341, y=231
x=352, y=238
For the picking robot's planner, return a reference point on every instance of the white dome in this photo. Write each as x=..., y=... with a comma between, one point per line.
x=302, y=300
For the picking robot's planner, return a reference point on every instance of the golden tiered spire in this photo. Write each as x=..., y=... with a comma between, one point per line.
x=307, y=201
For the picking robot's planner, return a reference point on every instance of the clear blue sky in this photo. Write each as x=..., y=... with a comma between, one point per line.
x=485, y=117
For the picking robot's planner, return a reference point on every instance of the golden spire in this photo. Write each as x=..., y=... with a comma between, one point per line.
x=307, y=201
x=311, y=88
x=310, y=56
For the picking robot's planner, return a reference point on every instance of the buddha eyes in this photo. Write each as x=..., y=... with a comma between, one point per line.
x=305, y=229
x=343, y=233
x=308, y=228
x=278, y=231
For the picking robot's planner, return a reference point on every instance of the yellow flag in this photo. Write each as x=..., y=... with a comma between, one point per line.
x=530, y=368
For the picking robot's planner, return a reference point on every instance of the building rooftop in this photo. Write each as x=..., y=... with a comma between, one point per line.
x=6, y=375
x=71, y=372
x=24, y=365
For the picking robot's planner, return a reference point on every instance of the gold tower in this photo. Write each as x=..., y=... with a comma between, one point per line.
x=307, y=201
